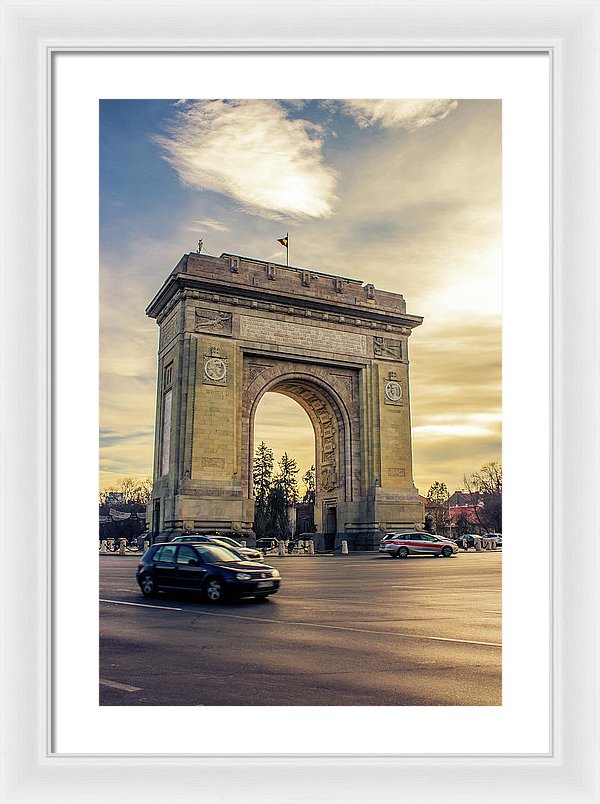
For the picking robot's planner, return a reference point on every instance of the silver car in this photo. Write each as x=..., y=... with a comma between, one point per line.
x=247, y=553
x=417, y=543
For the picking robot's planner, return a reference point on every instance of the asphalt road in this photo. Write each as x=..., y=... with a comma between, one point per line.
x=358, y=630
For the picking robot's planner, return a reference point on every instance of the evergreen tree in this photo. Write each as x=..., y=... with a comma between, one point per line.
x=287, y=478
x=263, y=473
x=262, y=478
x=277, y=512
x=309, y=480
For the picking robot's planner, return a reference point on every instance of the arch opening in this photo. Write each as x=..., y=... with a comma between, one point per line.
x=285, y=426
x=333, y=434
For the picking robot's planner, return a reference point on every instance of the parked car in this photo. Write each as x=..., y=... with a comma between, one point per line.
x=417, y=543
x=224, y=541
x=496, y=536
x=248, y=552
x=266, y=544
x=299, y=543
x=210, y=569
x=166, y=536
x=465, y=541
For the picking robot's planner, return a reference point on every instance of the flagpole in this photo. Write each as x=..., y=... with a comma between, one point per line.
x=287, y=251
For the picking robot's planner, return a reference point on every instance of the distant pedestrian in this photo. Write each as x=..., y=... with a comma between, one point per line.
x=465, y=543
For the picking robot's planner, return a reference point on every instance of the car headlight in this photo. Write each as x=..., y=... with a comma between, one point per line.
x=275, y=574
x=243, y=576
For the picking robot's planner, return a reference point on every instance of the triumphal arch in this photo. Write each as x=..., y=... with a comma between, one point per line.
x=234, y=328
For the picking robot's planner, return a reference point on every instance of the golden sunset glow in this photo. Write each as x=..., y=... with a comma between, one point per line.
x=404, y=194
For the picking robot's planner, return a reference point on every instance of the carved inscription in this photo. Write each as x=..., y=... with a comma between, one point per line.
x=213, y=321
x=216, y=463
x=397, y=471
x=302, y=335
x=168, y=330
x=387, y=348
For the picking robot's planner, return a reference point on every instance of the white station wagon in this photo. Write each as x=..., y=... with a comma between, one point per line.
x=416, y=543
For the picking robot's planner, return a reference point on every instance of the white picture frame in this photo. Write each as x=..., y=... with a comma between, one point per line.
x=31, y=33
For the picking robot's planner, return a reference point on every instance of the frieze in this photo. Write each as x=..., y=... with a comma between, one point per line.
x=387, y=348
x=286, y=333
x=213, y=321
x=285, y=309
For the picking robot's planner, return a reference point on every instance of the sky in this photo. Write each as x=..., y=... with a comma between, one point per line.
x=404, y=194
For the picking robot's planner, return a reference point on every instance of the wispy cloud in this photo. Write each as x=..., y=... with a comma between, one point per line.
x=408, y=114
x=252, y=151
x=208, y=223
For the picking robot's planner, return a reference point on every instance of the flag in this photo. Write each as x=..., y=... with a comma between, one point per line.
x=283, y=241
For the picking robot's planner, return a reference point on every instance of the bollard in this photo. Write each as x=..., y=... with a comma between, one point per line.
x=281, y=547
x=146, y=545
x=103, y=546
x=311, y=548
x=344, y=548
x=477, y=541
x=122, y=543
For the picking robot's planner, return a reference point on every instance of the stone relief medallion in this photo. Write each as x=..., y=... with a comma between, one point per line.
x=393, y=392
x=215, y=369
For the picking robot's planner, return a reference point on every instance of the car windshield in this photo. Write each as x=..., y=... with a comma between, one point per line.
x=227, y=540
x=214, y=553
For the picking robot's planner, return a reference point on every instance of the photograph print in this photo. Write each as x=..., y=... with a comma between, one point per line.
x=300, y=468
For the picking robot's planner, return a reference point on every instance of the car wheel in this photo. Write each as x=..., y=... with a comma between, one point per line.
x=402, y=553
x=214, y=591
x=447, y=552
x=148, y=587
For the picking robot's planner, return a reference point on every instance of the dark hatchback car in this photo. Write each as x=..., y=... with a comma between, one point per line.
x=213, y=570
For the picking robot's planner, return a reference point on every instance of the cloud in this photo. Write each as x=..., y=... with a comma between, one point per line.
x=250, y=150
x=208, y=223
x=408, y=114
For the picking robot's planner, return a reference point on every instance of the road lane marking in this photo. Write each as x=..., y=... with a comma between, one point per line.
x=141, y=605
x=202, y=612
x=104, y=682
x=446, y=589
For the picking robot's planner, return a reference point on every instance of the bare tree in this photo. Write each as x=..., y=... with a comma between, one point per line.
x=484, y=489
x=438, y=505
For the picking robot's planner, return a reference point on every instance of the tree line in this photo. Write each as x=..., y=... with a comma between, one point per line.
x=276, y=492
x=127, y=493
x=481, y=500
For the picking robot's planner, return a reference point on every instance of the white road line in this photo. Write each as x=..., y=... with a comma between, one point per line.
x=141, y=605
x=445, y=590
x=117, y=686
x=202, y=613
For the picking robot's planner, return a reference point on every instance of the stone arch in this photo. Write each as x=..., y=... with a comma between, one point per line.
x=233, y=328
